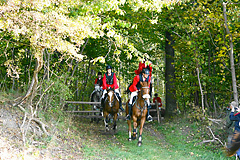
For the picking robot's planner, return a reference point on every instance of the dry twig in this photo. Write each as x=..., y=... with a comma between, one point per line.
x=214, y=138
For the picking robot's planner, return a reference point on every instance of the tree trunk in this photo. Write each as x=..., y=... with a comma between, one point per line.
x=171, y=104
x=86, y=81
x=32, y=88
x=234, y=81
x=200, y=86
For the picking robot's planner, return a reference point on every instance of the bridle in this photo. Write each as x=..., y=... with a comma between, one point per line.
x=144, y=97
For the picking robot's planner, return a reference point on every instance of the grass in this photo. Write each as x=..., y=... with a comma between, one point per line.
x=171, y=140
x=185, y=137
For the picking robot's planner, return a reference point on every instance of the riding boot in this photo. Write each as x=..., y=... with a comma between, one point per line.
x=149, y=117
x=128, y=117
x=120, y=104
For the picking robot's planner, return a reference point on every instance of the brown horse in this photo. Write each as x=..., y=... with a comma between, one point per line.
x=111, y=108
x=139, y=111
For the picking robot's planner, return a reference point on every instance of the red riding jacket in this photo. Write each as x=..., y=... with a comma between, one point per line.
x=158, y=100
x=136, y=82
x=99, y=81
x=110, y=81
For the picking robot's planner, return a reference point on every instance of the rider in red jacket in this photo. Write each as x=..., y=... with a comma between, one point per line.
x=99, y=79
x=135, y=87
x=110, y=80
x=158, y=99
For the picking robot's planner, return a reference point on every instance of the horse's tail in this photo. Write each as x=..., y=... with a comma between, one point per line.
x=234, y=145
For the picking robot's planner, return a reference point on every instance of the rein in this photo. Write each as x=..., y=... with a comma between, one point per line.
x=140, y=108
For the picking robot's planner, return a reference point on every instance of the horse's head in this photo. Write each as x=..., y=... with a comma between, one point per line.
x=110, y=97
x=145, y=90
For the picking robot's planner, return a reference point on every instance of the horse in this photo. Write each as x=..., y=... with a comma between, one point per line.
x=139, y=112
x=111, y=107
x=96, y=97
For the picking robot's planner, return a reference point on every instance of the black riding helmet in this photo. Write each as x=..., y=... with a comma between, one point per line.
x=145, y=71
x=108, y=67
x=99, y=73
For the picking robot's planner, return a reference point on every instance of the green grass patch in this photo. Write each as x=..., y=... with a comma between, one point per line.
x=178, y=140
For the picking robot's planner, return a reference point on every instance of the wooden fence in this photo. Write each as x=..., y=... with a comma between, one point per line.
x=158, y=117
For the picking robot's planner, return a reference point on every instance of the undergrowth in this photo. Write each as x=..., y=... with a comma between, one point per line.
x=179, y=138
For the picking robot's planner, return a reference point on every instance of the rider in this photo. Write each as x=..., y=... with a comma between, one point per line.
x=135, y=87
x=99, y=79
x=99, y=82
x=158, y=99
x=110, y=80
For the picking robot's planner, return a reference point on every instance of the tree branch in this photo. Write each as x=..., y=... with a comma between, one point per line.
x=214, y=138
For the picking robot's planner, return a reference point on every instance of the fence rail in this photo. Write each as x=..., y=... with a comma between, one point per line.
x=96, y=111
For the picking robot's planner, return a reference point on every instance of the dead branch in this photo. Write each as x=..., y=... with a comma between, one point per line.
x=215, y=120
x=214, y=138
x=31, y=91
x=42, y=125
x=42, y=97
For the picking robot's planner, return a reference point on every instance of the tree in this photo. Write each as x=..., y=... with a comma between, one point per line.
x=171, y=105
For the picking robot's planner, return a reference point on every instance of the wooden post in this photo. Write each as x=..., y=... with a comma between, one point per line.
x=158, y=111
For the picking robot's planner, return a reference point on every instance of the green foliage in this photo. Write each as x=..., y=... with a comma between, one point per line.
x=197, y=114
x=201, y=41
x=56, y=96
x=83, y=36
x=120, y=33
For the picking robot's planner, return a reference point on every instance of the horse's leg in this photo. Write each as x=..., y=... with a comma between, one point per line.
x=105, y=115
x=134, y=127
x=143, y=119
x=115, y=122
x=98, y=119
x=94, y=114
x=97, y=108
x=100, y=113
x=129, y=124
x=129, y=130
x=92, y=119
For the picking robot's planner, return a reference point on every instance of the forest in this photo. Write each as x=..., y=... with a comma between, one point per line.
x=52, y=50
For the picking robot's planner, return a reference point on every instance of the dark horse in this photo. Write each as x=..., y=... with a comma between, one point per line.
x=111, y=108
x=96, y=97
x=139, y=111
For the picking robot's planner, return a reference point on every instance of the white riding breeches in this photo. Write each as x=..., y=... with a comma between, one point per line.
x=105, y=91
x=133, y=94
x=148, y=102
x=117, y=91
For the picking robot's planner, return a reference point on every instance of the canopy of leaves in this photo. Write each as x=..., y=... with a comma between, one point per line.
x=87, y=35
